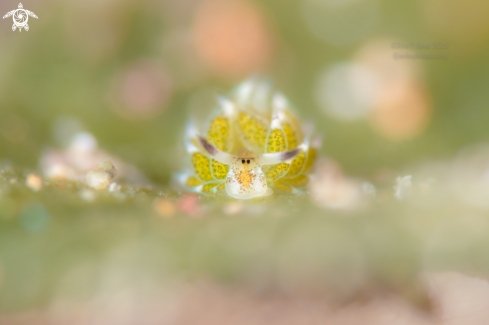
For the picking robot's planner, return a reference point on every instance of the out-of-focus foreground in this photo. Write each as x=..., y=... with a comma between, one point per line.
x=400, y=195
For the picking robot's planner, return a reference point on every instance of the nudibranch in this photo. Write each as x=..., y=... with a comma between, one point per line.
x=252, y=146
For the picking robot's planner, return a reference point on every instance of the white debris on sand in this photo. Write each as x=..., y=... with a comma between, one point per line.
x=87, y=195
x=403, y=187
x=81, y=155
x=102, y=176
x=114, y=187
x=34, y=182
x=330, y=189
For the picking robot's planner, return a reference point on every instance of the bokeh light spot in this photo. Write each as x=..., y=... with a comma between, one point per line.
x=232, y=38
x=141, y=91
x=403, y=111
x=347, y=91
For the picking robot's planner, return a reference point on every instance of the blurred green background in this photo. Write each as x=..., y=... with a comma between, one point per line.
x=132, y=73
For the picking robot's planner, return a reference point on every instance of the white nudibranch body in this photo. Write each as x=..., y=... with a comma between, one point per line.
x=245, y=179
x=253, y=144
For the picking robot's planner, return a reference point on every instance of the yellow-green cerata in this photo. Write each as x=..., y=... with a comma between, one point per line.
x=254, y=145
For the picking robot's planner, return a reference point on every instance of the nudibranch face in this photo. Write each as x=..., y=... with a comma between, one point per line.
x=253, y=144
x=245, y=179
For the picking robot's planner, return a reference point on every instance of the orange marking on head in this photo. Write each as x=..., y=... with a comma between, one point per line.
x=245, y=177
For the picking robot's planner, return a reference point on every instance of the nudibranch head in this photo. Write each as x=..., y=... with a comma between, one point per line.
x=245, y=179
x=253, y=144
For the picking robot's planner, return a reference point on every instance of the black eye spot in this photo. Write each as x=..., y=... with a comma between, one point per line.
x=243, y=161
x=248, y=161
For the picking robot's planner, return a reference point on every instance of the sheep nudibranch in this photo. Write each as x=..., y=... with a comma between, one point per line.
x=252, y=146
